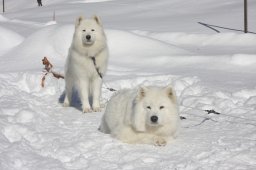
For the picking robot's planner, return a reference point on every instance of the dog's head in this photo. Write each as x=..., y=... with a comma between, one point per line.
x=88, y=31
x=154, y=107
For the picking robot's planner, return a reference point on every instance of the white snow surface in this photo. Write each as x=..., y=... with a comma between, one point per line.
x=151, y=43
x=9, y=40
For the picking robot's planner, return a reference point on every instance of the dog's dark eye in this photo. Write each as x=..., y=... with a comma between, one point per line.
x=161, y=107
x=148, y=107
x=84, y=30
x=92, y=30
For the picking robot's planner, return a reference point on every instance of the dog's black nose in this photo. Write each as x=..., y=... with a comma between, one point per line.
x=88, y=37
x=154, y=119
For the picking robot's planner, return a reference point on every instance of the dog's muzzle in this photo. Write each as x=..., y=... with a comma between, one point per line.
x=88, y=37
x=87, y=40
x=154, y=119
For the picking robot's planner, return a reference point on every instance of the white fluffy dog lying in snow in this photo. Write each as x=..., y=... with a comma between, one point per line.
x=147, y=115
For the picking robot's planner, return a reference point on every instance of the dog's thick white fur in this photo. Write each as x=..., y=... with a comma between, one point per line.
x=148, y=115
x=80, y=72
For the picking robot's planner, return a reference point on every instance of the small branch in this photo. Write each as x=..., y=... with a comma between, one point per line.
x=57, y=75
x=47, y=64
x=48, y=69
x=182, y=118
x=212, y=111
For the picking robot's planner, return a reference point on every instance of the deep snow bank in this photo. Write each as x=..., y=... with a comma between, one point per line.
x=9, y=39
x=54, y=42
x=3, y=19
x=208, y=44
x=89, y=1
x=125, y=48
x=217, y=39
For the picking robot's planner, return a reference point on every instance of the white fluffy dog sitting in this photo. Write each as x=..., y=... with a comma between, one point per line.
x=86, y=63
x=148, y=115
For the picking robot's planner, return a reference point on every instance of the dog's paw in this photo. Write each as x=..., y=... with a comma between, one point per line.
x=66, y=104
x=87, y=110
x=158, y=141
x=96, y=109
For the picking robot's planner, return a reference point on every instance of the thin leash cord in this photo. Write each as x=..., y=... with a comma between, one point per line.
x=237, y=117
x=205, y=118
x=95, y=65
x=253, y=122
x=100, y=74
x=108, y=88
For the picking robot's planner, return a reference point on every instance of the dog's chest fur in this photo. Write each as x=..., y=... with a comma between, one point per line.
x=81, y=65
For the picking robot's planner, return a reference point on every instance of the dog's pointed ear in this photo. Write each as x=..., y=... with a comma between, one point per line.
x=78, y=20
x=138, y=118
x=170, y=93
x=97, y=19
x=141, y=92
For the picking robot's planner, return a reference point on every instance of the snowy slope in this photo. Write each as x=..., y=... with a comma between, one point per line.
x=151, y=43
x=151, y=15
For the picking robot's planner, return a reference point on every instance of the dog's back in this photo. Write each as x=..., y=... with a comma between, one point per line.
x=116, y=109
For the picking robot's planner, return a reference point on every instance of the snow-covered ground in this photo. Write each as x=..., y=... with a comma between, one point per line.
x=151, y=43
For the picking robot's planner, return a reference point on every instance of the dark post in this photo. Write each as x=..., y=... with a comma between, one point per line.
x=245, y=17
x=53, y=18
x=3, y=7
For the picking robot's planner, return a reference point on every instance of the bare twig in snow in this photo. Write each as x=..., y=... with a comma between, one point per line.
x=48, y=69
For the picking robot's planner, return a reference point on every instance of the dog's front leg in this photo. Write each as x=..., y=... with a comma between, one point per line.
x=83, y=91
x=96, y=93
x=68, y=94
